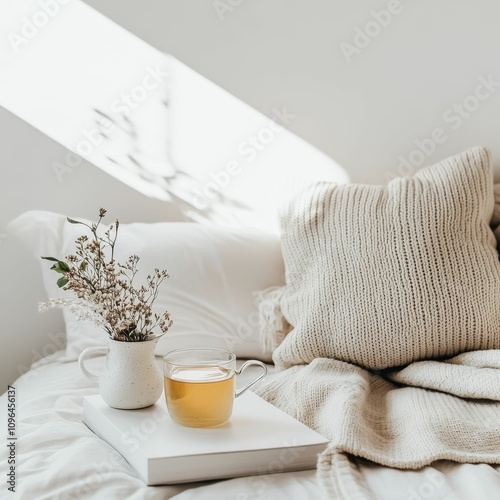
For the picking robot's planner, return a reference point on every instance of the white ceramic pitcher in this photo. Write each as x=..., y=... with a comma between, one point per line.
x=131, y=378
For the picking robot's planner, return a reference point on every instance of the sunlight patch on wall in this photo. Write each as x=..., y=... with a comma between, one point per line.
x=91, y=86
x=147, y=119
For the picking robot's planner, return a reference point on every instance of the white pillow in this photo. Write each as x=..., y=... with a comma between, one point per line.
x=210, y=294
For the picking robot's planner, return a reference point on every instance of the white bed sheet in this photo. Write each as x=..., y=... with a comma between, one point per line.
x=60, y=458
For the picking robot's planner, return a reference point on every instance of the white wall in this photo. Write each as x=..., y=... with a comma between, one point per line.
x=364, y=114
x=149, y=120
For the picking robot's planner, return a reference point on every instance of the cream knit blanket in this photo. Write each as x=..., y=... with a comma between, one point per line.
x=406, y=418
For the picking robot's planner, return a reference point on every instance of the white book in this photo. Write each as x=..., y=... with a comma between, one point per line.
x=258, y=439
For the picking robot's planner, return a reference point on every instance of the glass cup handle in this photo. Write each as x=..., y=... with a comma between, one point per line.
x=243, y=367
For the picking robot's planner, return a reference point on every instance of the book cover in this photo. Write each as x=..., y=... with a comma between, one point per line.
x=258, y=439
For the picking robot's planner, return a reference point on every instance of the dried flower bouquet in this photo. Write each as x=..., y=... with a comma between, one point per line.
x=104, y=289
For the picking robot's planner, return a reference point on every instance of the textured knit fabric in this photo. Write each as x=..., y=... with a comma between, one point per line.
x=273, y=326
x=398, y=425
x=378, y=278
x=383, y=276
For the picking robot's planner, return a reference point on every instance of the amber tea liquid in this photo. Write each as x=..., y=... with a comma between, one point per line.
x=200, y=396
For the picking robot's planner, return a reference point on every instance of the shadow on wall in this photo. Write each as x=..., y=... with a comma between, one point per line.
x=177, y=186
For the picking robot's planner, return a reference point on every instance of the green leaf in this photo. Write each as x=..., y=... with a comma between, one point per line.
x=63, y=266
x=53, y=259
x=57, y=269
x=73, y=221
x=62, y=282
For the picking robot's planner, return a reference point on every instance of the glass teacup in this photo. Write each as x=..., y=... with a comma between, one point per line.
x=200, y=385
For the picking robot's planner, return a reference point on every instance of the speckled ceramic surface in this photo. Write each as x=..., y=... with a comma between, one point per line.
x=131, y=378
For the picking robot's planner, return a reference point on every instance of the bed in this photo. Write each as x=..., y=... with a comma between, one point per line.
x=60, y=458
x=212, y=298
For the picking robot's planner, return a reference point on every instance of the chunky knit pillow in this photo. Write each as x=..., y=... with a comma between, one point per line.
x=382, y=276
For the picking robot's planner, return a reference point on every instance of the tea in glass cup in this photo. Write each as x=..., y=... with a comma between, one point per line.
x=200, y=385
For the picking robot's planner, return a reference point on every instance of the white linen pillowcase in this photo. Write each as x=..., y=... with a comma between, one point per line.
x=214, y=271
